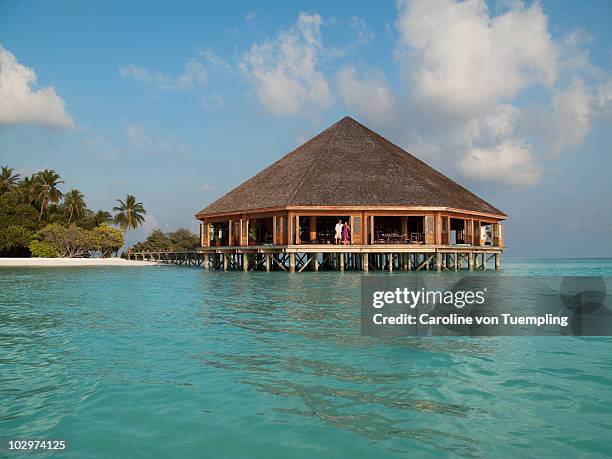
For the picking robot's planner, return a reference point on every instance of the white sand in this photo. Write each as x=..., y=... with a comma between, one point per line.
x=14, y=262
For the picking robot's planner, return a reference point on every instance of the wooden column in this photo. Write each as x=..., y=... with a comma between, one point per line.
x=341, y=261
x=274, y=235
x=471, y=261
x=202, y=230
x=268, y=262
x=312, y=228
x=365, y=262
x=292, y=262
x=497, y=261
x=390, y=262
x=225, y=261
x=245, y=261
x=315, y=262
x=438, y=261
x=456, y=263
x=372, y=236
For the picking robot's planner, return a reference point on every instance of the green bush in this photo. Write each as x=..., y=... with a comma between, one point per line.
x=42, y=249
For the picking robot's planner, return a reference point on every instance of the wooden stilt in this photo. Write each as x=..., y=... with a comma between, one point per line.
x=497, y=261
x=292, y=262
x=268, y=263
x=471, y=261
x=341, y=261
x=365, y=262
x=245, y=262
x=438, y=261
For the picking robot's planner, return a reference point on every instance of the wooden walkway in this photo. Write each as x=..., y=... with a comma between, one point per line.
x=298, y=258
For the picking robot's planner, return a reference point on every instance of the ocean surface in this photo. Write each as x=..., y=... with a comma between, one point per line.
x=175, y=362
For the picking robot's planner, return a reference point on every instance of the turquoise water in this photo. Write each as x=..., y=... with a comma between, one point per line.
x=175, y=362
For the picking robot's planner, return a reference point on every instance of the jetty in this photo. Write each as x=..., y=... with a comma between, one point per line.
x=401, y=214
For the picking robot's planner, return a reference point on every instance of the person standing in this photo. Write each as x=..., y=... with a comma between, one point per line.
x=345, y=234
x=338, y=232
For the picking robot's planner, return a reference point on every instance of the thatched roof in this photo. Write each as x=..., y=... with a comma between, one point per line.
x=348, y=165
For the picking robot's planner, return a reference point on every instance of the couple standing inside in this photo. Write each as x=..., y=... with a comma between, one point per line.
x=343, y=233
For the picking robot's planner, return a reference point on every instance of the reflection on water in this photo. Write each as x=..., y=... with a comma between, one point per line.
x=168, y=361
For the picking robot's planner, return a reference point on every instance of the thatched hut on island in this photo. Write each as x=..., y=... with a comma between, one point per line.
x=399, y=212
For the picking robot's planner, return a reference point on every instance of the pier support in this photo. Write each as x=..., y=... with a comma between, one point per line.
x=438, y=261
x=315, y=261
x=245, y=262
x=292, y=262
x=497, y=261
x=471, y=261
x=341, y=261
x=365, y=262
x=225, y=261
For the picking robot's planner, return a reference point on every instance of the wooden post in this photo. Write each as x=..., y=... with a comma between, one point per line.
x=365, y=263
x=390, y=261
x=456, y=263
x=341, y=261
x=484, y=260
x=405, y=261
x=225, y=261
x=312, y=228
x=245, y=261
x=497, y=261
x=438, y=261
x=268, y=261
x=315, y=261
x=292, y=262
x=229, y=233
x=471, y=261
x=408, y=261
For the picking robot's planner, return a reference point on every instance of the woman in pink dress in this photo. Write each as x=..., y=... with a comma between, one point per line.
x=345, y=234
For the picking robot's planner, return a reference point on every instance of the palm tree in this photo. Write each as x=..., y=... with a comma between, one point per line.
x=47, y=181
x=100, y=217
x=8, y=180
x=74, y=204
x=130, y=214
x=28, y=190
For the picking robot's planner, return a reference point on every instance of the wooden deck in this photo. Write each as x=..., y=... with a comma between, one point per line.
x=297, y=258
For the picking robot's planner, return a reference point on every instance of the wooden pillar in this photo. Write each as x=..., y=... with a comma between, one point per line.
x=409, y=262
x=312, y=228
x=315, y=261
x=292, y=262
x=372, y=236
x=268, y=262
x=341, y=261
x=245, y=261
x=365, y=262
x=405, y=261
x=390, y=262
x=497, y=261
x=484, y=260
x=230, y=236
x=471, y=261
x=225, y=261
x=438, y=261
x=456, y=263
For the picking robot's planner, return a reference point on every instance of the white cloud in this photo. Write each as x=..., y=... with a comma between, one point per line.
x=364, y=32
x=285, y=70
x=367, y=94
x=462, y=60
x=509, y=162
x=21, y=103
x=206, y=188
x=159, y=143
x=195, y=74
x=572, y=112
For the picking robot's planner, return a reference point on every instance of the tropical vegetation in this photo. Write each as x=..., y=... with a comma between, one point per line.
x=38, y=219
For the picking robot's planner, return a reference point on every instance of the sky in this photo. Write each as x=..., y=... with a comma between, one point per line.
x=179, y=102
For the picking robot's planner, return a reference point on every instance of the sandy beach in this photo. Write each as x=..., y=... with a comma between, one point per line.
x=50, y=262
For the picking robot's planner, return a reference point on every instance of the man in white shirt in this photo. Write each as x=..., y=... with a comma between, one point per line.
x=338, y=235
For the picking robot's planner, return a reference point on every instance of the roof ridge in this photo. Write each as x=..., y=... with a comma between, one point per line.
x=315, y=161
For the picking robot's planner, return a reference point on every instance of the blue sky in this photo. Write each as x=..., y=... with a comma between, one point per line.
x=179, y=102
